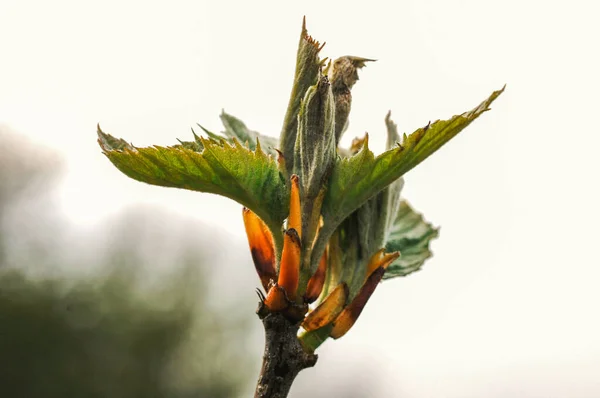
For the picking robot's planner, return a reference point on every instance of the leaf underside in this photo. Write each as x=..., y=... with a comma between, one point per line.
x=410, y=234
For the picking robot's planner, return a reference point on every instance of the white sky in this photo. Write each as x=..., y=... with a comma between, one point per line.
x=509, y=305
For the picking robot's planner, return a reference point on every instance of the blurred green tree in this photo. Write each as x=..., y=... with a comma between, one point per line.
x=108, y=333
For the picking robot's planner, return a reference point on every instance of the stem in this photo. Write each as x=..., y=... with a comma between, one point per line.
x=284, y=356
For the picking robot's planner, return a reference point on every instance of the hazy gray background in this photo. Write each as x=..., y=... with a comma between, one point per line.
x=509, y=304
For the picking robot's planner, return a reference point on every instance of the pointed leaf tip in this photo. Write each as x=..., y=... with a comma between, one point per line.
x=109, y=143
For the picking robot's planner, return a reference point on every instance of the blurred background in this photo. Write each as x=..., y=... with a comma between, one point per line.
x=113, y=288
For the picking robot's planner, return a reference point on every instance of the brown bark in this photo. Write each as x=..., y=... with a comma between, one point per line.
x=284, y=356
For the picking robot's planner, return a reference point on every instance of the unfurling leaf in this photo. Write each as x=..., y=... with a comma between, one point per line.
x=314, y=154
x=356, y=179
x=251, y=178
x=307, y=72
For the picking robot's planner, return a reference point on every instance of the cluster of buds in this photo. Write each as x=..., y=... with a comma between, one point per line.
x=324, y=289
x=333, y=309
x=325, y=224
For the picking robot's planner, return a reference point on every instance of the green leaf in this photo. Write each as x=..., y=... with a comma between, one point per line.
x=410, y=235
x=251, y=178
x=358, y=178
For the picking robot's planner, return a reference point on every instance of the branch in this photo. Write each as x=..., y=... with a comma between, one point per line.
x=284, y=356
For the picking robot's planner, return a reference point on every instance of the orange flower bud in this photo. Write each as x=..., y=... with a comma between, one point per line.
x=289, y=269
x=295, y=217
x=350, y=314
x=276, y=299
x=261, y=247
